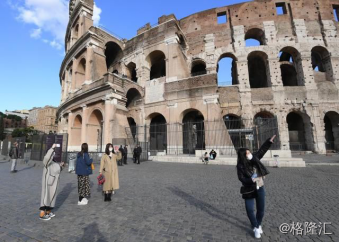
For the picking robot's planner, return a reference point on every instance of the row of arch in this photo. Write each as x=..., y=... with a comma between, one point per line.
x=193, y=131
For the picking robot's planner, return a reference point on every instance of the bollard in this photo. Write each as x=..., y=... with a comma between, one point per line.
x=276, y=156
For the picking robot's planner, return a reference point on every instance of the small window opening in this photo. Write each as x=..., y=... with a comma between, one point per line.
x=222, y=18
x=336, y=12
x=281, y=8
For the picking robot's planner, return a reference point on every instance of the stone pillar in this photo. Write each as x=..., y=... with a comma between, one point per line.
x=244, y=89
x=108, y=119
x=335, y=67
x=239, y=36
x=84, y=124
x=318, y=129
x=74, y=69
x=69, y=128
x=306, y=61
x=283, y=131
x=270, y=32
x=89, y=61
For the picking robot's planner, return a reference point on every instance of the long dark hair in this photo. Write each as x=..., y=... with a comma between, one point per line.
x=107, y=151
x=84, y=148
x=242, y=161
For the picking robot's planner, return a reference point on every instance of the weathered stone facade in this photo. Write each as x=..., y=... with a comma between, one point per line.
x=170, y=70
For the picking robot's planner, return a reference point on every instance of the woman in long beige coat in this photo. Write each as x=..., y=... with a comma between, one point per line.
x=109, y=169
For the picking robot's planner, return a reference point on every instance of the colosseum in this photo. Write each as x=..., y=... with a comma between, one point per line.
x=161, y=88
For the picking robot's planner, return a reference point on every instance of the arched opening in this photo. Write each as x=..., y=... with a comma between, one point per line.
x=156, y=60
x=198, y=67
x=132, y=74
x=331, y=121
x=266, y=126
x=234, y=127
x=76, y=31
x=291, y=67
x=113, y=54
x=133, y=128
x=300, y=132
x=80, y=73
x=132, y=96
x=255, y=37
x=95, y=131
x=227, y=70
x=193, y=132
x=258, y=70
x=76, y=131
x=158, y=133
x=321, y=62
x=289, y=75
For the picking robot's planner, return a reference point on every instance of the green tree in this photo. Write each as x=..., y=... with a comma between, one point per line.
x=27, y=132
x=2, y=134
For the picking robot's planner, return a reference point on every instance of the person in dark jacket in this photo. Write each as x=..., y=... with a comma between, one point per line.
x=135, y=155
x=83, y=170
x=125, y=154
x=138, y=154
x=121, y=150
x=14, y=154
x=251, y=172
x=213, y=154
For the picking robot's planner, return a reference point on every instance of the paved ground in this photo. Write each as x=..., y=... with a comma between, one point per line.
x=169, y=202
x=319, y=158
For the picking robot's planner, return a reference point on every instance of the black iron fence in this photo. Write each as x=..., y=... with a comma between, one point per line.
x=191, y=138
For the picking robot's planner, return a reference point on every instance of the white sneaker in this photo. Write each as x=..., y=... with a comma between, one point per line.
x=113, y=192
x=257, y=233
x=260, y=229
x=84, y=201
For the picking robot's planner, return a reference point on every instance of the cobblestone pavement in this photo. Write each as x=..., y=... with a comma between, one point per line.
x=169, y=202
x=319, y=158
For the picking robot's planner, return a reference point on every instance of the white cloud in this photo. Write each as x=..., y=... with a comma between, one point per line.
x=36, y=33
x=96, y=15
x=48, y=16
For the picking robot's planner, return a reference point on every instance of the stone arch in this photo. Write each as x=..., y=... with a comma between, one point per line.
x=158, y=132
x=256, y=34
x=133, y=127
x=198, y=67
x=300, y=131
x=95, y=130
x=193, y=131
x=156, y=61
x=331, y=121
x=113, y=54
x=131, y=72
x=258, y=67
x=80, y=73
x=132, y=96
x=231, y=61
x=76, y=131
x=291, y=67
x=321, y=62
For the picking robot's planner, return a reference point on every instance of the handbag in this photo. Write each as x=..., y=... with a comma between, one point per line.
x=92, y=166
x=101, y=179
x=248, y=192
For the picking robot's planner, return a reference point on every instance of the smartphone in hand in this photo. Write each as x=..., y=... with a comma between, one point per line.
x=254, y=176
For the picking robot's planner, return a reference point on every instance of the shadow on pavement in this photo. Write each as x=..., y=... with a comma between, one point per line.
x=27, y=168
x=63, y=195
x=92, y=234
x=209, y=209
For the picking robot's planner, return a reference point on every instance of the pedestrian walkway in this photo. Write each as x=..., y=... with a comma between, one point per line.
x=169, y=202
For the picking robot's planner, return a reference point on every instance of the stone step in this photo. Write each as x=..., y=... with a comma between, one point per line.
x=271, y=162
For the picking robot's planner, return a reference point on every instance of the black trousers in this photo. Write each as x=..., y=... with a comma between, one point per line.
x=125, y=159
x=137, y=159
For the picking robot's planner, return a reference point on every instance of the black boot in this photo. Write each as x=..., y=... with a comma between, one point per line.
x=105, y=197
x=109, y=197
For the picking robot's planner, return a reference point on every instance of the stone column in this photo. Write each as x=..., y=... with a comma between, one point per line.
x=318, y=129
x=69, y=128
x=74, y=69
x=283, y=131
x=84, y=124
x=89, y=61
x=108, y=119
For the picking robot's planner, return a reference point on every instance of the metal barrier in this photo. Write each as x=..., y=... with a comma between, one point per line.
x=188, y=138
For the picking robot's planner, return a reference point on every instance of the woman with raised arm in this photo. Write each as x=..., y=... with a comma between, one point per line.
x=251, y=172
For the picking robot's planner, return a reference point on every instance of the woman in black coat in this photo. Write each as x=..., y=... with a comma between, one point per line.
x=251, y=172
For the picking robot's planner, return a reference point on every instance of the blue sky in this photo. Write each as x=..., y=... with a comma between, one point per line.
x=33, y=48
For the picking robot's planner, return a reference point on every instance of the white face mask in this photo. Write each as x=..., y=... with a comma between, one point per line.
x=249, y=156
x=110, y=149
